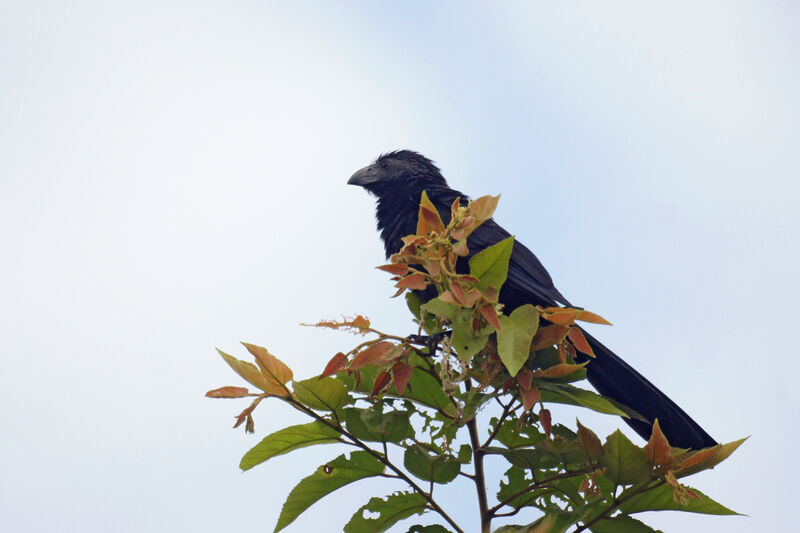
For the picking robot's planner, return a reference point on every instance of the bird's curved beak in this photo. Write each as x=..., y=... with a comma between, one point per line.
x=365, y=176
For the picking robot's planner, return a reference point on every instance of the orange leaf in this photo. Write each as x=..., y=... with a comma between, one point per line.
x=579, y=341
x=275, y=370
x=588, y=316
x=589, y=442
x=414, y=282
x=548, y=336
x=361, y=322
x=460, y=248
x=372, y=355
x=424, y=225
x=483, y=208
x=559, y=370
x=381, y=381
x=490, y=314
x=657, y=448
x=248, y=371
x=530, y=397
x=697, y=458
x=337, y=363
x=561, y=316
x=402, y=373
x=458, y=292
x=398, y=269
x=228, y=392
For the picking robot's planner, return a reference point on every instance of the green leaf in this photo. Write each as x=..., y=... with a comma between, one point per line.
x=326, y=394
x=490, y=265
x=437, y=468
x=625, y=462
x=514, y=482
x=329, y=477
x=392, y=509
x=527, y=458
x=287, y=440
x=571, y=395
x=422, y=388
x=433, y=528
x=660, y=499
x=622, y=524
x=414, y=302
x=553, y=521
x=465, y=454
x=372, y=425
x=515, y=336
x=465, y=342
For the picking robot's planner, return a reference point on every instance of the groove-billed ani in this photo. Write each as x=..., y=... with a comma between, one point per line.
x=397, y=180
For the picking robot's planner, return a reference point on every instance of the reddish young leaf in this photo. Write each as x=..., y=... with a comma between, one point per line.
x=398, y=269
x=460, y=248
x=530, y=397
x=246, y=415
x=579, y=341
x=381, y=381
x=549, y=336
x=432, y=220
x=546, y=420
x=525, y=378
x=371, y=355
x=447, y=296
x=276, y=372
x=657, y=448
x=490, y=314
x=228, y=392
x=401, y=373
x=415, y=282
x=458, y=292
x=361, y=322
x=337, y=363
x=423, y=224
x=589, y=441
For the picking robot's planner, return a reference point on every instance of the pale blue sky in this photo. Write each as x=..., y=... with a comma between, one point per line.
x=172, y=177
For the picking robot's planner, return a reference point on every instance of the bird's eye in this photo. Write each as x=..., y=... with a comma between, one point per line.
x=384, y=165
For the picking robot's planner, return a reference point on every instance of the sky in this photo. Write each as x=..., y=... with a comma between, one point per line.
x=172, y=179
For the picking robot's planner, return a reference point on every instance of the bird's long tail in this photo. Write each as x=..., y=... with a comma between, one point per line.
x=614, y=378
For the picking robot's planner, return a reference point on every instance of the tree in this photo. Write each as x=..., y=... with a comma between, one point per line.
x=422, y=394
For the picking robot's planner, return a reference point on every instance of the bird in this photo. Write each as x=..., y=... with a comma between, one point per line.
x=397, y=180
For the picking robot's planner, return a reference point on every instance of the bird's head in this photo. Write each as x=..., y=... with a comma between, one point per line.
x=402, y=170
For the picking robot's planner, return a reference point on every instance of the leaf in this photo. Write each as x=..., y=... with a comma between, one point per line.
x=287, y=440
x=530, y=397
x=579, y=341
x=327, y=478
x=622, y=524
x=490, y=265
x=415, y=282
x=568, y=394
x=515, y=336
x=701, y=460
x=248, y=371
x=392, y=509
x=325, y=394
x=228, y=392
x=402, y=373
x=657, y=448
x=371, y=355
x=397, y=269
x=430, y=221
x=432, y=528
x=588, y=316
x=625, y=462
x=546, y=421
x=464, y=340
x=337, y=363
x=361, y=322
x=483, y=208
x=375, y=426
x=589, y=441
x=383, y=379
x=660, y=499
x=275, y=371
x=559, y=370
x=437, y=468
x=548, y=336
x=490, y=314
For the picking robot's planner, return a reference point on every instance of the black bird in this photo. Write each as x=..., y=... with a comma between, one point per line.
x=397, y=180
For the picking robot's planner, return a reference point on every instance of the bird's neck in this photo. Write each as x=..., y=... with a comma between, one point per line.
x=397, y=217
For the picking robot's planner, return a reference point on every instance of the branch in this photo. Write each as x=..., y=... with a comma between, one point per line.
x=479, y=478
x=382, y=458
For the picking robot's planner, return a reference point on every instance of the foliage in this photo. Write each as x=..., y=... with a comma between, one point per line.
x=422, y=394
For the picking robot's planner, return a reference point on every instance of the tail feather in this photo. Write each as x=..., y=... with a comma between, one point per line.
x=613, y=377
